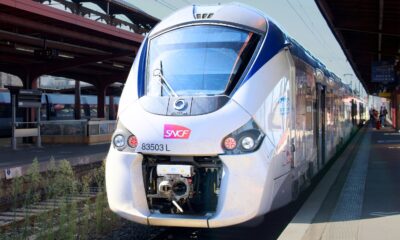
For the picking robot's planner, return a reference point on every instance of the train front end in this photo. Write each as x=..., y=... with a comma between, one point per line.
x=185, y=153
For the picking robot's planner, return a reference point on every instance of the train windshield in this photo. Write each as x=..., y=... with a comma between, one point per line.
x=198, y=60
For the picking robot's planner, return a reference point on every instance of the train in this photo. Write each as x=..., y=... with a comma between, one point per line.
x=55, y=106
x=224, y=117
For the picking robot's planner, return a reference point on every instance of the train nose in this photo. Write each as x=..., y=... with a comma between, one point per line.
x=183, y=173
x=219, y=192
x=199, y=135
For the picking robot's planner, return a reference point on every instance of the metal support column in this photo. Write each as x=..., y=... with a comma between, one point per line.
x=101, y=97
x=397, y=110
x=111, y=108
x=77, y=107
x=14, y=120
x=39, y=138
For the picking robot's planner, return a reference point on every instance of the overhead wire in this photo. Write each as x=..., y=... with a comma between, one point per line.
x=317, y=36
x=313, y=26
x=187, y=1
x=304, y=22
x=166, y=4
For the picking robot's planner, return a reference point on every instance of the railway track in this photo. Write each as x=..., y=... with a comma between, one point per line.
x=18, y=216
x=62, y=203
x=55, y=203
x=27, y=221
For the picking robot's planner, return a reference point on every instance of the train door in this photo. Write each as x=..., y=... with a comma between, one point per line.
x=300, y=112
x=320, y=125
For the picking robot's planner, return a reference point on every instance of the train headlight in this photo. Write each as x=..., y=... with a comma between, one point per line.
x=123, y=139
x=119, y=141
x=246, y=139
x=247, y=143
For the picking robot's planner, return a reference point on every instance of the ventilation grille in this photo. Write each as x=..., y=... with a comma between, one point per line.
x=204, y=15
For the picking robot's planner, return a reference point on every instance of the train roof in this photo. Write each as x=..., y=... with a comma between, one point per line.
x=248, y=17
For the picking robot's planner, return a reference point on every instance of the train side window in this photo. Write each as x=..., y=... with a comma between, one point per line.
x=305, y=109
x=5, y=109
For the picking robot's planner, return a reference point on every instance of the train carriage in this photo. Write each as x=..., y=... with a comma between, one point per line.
x=223, y=118
x=55, y=106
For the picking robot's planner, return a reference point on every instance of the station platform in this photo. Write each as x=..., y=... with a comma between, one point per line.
x=359, y=197
x=15, y=163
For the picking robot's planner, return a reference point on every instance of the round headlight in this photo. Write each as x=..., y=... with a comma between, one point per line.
x=248, y=143
x=119, y=141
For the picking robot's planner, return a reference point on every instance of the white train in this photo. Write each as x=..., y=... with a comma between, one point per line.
x=223, y=118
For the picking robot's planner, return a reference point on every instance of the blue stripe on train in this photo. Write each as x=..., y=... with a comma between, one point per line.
x=142, y=68
x=274, y=42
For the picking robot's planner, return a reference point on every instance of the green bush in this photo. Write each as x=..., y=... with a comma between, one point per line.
x=86, y=220
x=64, y=180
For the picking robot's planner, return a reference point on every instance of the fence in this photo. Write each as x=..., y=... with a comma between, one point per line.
x=77, y=131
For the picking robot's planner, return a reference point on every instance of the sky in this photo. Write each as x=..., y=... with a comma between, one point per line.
x=301, y=19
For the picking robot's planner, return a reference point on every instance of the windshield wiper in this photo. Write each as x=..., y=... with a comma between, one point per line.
x=159, y=73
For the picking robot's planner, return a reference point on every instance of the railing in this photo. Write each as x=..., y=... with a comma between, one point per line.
x=64, y=128
x=77, y=127
x=101, y=127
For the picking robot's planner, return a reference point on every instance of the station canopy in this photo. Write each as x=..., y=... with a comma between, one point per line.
x=369, y=34
x=37, y=39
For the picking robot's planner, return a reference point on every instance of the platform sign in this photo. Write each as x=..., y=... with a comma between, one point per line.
x=25, y=98
x=382, y=72
x=29, y=98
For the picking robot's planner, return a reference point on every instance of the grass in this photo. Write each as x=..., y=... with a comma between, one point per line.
x=86, y=219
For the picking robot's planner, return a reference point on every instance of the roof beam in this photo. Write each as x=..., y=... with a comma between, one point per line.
x=381, y=5
x=41, y=69
x=370, y=52
x=66, y=19
x=39, y=42
x=366, y=31
x=69, y=34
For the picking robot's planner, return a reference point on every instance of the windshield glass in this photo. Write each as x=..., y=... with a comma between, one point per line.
x=198, y=60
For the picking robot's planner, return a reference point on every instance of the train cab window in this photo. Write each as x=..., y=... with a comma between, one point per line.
x=198, y=60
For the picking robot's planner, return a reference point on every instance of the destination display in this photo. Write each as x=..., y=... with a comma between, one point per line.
x=382, y=72
x=29, y=98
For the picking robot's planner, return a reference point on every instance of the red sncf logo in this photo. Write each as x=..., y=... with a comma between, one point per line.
x=176, y=132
